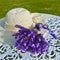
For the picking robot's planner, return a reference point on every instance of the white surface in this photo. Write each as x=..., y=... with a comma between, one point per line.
x=54, y=24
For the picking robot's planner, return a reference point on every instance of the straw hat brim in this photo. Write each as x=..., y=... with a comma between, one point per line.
x=6, y=36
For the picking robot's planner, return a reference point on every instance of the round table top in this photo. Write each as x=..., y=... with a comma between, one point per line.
x=9, y=52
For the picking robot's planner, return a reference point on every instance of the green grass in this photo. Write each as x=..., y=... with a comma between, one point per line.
x=42, y=6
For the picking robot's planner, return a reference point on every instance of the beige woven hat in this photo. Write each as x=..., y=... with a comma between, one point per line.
x=18, y=16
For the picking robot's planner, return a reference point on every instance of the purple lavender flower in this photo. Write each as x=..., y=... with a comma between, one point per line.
x=52, y=33
x=44, y=26
x=41, y=44
x=29, y=40
x=38, y=26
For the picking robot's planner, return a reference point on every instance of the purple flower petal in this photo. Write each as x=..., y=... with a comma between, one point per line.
x=38, y=26
x=45, y=26
x=54, y=35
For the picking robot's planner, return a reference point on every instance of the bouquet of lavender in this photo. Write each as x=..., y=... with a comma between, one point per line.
x=29, y=40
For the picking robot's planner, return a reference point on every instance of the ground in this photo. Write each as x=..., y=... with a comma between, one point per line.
x=41, y=6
